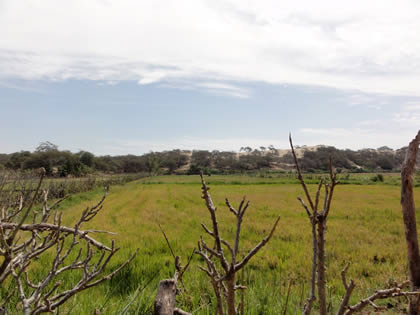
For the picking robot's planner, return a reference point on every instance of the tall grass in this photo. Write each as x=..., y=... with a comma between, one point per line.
x=364, y=228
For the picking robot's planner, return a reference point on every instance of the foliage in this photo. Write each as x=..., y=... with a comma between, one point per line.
x=64, y=163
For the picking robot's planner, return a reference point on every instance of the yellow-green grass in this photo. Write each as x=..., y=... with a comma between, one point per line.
x=364, y=227
x=267, y=178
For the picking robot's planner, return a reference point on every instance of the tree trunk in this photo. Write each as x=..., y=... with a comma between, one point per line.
x=230, y=283
x=409, y=216
x=321, y=266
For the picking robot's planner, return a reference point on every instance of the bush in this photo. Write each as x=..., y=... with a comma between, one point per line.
x=377, y=178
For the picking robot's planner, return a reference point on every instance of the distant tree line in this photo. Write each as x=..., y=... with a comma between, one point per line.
x=365, y=160
x=65, y=163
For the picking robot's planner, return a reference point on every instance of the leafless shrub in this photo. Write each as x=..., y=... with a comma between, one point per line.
x=318, y=218
x=223, y=279
x=26, y=234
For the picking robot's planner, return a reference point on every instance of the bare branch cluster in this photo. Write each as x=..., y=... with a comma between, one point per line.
x=223, y=279
x=26, y=234
x=318, y=215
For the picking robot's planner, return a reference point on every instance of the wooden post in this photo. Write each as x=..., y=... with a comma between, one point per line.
x=409, y=216
x=165, y=297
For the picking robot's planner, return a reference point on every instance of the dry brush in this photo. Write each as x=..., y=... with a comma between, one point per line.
x=317, y=212
x=27, y=235
x=223, y=278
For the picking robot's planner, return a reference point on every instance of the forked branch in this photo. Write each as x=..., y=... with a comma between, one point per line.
x=224, y=281
x=318, y=220
x=22, y=242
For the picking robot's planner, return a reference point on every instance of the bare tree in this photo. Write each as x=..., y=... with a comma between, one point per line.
x=409, y=216
x=224, y=280
x=318, y=218
x=26, y=234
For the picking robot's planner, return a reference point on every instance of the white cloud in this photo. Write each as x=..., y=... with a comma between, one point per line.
x=213, y=87
x=409, y=115
x=224, y=89
x=152, y=77
x=373, y=46
x=412, y=107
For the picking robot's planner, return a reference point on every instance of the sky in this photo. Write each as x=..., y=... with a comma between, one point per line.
x=133, y=76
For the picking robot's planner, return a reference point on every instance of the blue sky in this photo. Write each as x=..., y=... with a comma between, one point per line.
x=118, y=77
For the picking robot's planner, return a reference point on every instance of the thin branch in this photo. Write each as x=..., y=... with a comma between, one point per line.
x=255, y=250
x=39, y=227
x=300, y=177
x=26, y=213
x=349, y=290
x=212, y=209
x=380, y=294
x=167, y=241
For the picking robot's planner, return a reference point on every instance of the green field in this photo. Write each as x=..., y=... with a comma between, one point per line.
x=365, y=228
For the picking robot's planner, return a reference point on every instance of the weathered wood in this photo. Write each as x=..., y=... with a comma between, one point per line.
x=165, y=298
x=321, y=281
x=409, y=216
x=230, y=299
x=178, y=311
x=378, y=295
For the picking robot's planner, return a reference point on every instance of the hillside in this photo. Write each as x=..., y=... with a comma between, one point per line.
x=312, y=159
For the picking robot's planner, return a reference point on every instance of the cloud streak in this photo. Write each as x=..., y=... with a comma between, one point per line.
x=369, y=46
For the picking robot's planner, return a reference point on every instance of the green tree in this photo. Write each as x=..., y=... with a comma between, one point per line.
x=87, y=158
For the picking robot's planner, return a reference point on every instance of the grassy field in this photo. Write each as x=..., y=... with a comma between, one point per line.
x=365, y=228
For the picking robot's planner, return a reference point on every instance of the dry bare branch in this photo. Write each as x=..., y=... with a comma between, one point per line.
x=224, y=281
x=318, y=219
x=349, y=290
x=381, y=294
x=43, y=227
x=291, y=282
x=300, y=177
x=21, y=242
x=255, y=250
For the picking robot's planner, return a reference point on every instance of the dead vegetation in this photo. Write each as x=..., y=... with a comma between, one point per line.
x=27, y=235
x=318, y=219
x=223, y=279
